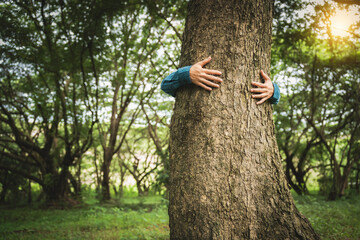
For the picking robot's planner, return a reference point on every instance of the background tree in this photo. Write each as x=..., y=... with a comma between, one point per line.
x=156, y=115
x=296, y=141
x=141, y=162
x=131, y=50
x=44, y=80
x=319, y=67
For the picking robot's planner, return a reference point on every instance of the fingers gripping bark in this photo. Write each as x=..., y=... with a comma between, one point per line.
x=264, y=91
x=205, y=77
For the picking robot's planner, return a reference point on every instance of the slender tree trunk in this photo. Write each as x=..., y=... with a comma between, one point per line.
x=29, y=192
x=3, y=193
x=78, y=180
x=139, y=188
x=335, y=188
x=4, y=187
x=115, y=190
x=105, y=183
x=226, y=178
x=98, y=178
x=357, y=178
x=294, y=186
x=122, y=179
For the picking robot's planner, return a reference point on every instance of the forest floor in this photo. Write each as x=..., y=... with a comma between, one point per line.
x=147, y=218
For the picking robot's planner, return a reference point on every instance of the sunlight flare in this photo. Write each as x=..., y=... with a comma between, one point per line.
x=340, y=22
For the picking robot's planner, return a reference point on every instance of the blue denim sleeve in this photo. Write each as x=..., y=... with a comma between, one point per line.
x=175, y=80
x=276, y=96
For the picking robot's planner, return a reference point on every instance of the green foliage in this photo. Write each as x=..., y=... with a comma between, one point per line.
x=65, y=67
x=46, y=98
x=317, y=120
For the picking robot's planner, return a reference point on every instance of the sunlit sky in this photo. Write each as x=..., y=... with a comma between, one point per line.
x=341, y=21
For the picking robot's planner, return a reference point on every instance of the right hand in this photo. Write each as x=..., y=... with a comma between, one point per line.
x=201, y=76
x=265, y=90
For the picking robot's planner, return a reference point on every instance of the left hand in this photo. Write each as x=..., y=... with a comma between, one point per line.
x=264, y=91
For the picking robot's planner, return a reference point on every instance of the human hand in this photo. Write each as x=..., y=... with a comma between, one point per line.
x=201, y=76
x=264, y=91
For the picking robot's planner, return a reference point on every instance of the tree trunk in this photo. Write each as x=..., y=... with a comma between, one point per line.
x=3, y=193
x=122, y=180
x=105, y=183
x=98, y=179
x=289, y=166
x=77, y=178
x=115, y=190
x=4, y=186
x=357, y=182
x=29, y=192
x=226, y=178
x=54, y=190
x=139, y=188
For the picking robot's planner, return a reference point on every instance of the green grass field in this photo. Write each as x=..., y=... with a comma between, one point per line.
x=146, y=218
x=335, y=220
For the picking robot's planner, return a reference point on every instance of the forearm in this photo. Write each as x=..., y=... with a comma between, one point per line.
x=181, y=77
x=176, y=80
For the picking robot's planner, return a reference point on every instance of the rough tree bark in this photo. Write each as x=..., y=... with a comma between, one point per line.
x=226, y=178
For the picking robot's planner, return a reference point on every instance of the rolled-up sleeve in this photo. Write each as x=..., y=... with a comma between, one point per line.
x=175, y=80
x=276, y=96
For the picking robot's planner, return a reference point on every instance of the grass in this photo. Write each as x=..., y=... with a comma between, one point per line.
x=95, y=222
x=333, y=220
x=146, y=218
